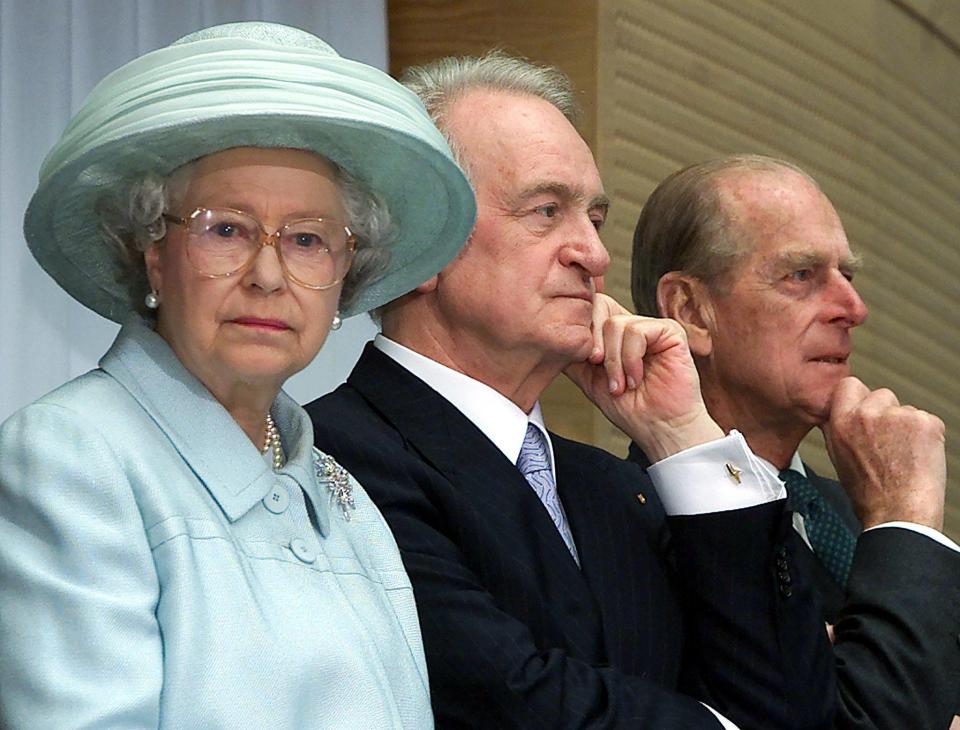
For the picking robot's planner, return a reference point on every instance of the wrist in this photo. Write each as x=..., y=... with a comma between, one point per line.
x=668, y=439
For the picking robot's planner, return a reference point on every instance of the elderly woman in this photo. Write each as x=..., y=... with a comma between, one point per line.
x=173, y=550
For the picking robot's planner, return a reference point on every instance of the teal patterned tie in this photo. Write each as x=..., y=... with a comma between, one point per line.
x=534, y=464
x=831, y=540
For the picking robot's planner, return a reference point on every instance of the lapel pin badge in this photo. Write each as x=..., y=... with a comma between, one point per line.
x=640, y=498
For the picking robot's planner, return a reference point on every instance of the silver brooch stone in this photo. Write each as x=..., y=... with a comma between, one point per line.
x=338, y=483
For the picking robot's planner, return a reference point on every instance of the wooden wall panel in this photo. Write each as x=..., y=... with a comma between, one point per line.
x=865, y=96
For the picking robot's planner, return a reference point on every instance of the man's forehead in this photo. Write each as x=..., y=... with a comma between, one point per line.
x=766, y=198
x=524, y=143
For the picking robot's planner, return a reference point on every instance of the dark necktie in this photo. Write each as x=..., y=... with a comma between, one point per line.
x=534, y=464
x=831, y=539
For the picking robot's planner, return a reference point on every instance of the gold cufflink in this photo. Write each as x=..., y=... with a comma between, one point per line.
x=733, y=472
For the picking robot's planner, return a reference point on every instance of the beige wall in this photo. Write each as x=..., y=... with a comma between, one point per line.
x=864, y=94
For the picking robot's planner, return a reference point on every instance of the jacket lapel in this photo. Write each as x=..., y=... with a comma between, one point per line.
x=502, y=502
x=620, y=528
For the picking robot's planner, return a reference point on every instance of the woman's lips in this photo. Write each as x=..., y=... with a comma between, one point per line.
x=277, y=325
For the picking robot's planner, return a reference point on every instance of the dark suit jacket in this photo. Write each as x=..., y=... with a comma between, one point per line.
x=830, y=593
x=896, y=625
x=516, y=636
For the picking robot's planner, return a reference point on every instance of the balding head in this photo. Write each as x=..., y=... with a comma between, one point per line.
x=686, y=225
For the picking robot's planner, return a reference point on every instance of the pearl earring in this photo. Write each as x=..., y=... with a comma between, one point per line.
x=152, y=300
x=336, y=321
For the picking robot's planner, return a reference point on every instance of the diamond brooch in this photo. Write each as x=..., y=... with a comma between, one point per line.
x=338, y=483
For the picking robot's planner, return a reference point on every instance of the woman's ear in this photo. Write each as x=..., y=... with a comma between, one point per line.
x=154, y=265
x=686, y=299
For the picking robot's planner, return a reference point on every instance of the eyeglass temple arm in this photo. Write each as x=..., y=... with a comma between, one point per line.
x=174, y=219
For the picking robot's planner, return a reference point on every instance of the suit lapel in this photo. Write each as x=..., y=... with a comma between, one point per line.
x=622, y=543
x=492, y=488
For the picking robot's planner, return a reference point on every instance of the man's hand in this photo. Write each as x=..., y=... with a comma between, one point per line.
x=890, y=458
x=641, y=375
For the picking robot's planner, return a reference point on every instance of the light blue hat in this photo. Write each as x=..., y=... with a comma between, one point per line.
x=247, y=85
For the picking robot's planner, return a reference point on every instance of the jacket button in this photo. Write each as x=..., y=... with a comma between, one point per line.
x=303, y=550
x=277, y=499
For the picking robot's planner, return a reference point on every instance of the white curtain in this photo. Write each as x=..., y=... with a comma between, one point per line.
x=52, y=52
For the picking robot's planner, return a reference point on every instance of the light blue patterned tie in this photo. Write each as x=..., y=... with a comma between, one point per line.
x=534, y=464
x=831, y=539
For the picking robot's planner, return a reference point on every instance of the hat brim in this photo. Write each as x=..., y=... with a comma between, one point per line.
x=373, y=130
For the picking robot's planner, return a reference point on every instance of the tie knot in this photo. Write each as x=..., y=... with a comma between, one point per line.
x=533, y=454
x=801, y=490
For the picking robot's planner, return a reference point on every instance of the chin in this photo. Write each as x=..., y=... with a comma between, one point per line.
x=816, y=410
x=264, y=368
x=575, y=348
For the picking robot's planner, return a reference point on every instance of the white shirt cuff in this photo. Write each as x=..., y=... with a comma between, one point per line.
x=716, y=476
x=727, y=725
x=923, y=530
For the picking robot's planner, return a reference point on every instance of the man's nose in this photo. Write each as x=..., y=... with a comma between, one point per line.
x=584, y=248
x=851, y=309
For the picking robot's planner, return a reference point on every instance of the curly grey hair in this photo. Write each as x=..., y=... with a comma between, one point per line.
x=131, y=220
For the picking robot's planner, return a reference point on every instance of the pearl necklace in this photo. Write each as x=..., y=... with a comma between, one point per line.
x=271, y=441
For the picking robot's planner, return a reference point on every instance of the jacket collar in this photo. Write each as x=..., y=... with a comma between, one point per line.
x=214, y=446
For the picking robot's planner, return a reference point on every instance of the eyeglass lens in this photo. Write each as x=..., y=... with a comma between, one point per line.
x=313, y=250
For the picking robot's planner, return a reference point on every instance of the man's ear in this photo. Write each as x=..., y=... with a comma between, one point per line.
x=686, y=299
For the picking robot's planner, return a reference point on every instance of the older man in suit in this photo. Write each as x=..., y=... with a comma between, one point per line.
x=556, y=586
x=750, y=257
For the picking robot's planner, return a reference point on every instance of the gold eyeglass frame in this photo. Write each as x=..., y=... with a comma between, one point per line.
x=266, y=239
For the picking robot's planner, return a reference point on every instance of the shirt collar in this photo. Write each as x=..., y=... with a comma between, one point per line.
x=497, y=417
x=796, y=463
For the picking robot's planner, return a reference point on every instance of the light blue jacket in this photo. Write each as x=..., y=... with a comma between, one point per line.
x=155, y=572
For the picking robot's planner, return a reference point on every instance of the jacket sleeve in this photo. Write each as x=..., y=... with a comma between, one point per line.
x=897, y=640
x=79, y=640
x=485, y=668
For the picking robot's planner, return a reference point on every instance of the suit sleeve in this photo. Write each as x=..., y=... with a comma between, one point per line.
x=898, y=635
x=486, y=670
x=79, y=639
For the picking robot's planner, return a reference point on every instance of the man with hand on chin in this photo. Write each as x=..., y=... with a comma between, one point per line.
x=556, y=586
x=750, y=257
